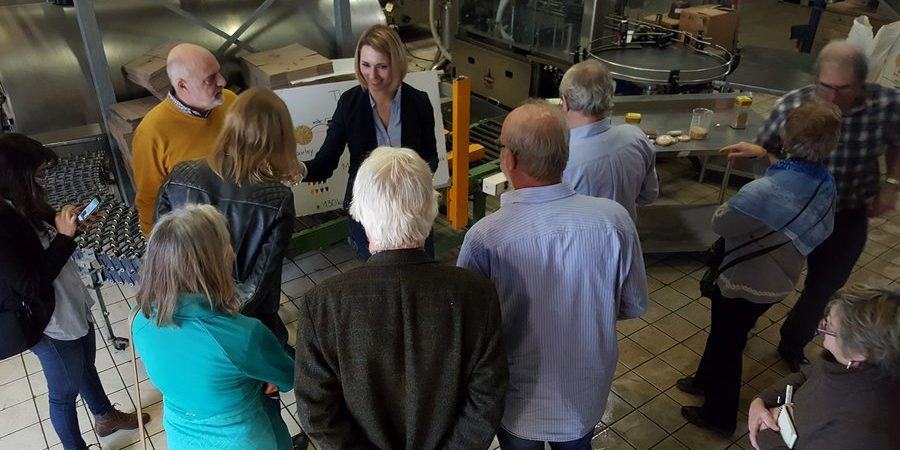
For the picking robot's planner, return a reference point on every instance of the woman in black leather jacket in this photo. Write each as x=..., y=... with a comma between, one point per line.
x=44, y=306
x=246, y=179
x=381, y=111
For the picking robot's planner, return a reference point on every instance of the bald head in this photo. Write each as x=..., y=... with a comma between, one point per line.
x=841, y=72
x=194, y=75
x=537, y=137
x=845, y=57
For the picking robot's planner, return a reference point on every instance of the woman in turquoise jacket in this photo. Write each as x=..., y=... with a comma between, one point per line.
x=215, y=368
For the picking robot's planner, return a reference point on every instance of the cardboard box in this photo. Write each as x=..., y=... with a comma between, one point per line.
x=124, y=118
x=666, y=22
x=278, y=68
x=718, y=25
x=149, y=70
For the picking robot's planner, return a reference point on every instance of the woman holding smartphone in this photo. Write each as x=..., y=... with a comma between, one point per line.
x=45, y=305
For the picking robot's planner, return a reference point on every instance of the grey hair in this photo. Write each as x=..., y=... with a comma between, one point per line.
x=393, y=199
x=588, y=87
x=541, y=146
x=847, y=56
x=189, y=251
x=812, y=131
x=870, y=324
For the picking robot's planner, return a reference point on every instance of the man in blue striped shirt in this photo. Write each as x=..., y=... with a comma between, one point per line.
x=614, y=162
x=566, y=267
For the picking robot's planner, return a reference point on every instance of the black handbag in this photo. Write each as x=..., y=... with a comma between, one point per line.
x=22, y=323
x=717, y=253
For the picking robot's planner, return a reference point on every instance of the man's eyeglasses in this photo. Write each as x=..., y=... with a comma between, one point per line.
x=825, y=87
x=823, y=328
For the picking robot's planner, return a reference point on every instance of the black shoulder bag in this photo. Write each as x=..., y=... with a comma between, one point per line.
x=716, y=253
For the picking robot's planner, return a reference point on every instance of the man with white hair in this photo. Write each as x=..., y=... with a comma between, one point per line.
x=184, y=126
x=614, y=162
x=870, y=128
x=402, y=352
x=566, y=267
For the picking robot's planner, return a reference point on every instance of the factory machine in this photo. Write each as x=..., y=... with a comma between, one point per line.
x=48, y=89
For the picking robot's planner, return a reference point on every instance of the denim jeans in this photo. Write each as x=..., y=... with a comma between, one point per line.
x=510, y=442
x=70, y=370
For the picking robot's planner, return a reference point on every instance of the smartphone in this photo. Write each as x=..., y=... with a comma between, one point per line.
x=89, y=209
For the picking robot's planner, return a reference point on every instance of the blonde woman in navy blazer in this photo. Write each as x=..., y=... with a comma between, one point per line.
x=381, y=111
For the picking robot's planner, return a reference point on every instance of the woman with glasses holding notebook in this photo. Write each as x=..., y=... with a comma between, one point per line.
x=851, y=397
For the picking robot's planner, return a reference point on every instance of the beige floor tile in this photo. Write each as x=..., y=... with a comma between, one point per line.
x=653, y=340
x=874, y=248
x=639, y=431
x=676, y=327
x=750, y=368
x=17, y=416
x=772, y=334
x=697, y=438
x=884, y=237
x=689, y=286
x=616, y=408
x=748, y=393
x=112, y=380
x=159, y=441
x=634, y=389
x=32, y=363
x=869, y=277
x=11, y=369
x=658, y=373
x=654, y=312
x=653, y=284
x=28, y=438
x=631, y=354
x=765, y=380
x=670, y=443
x=664, y=412
x=670, y=298
x=681, y=358
x=155, y=425
x=629, y=326
x=696, y=314
x=609, y=440
x=14, y=392
x=682, y=398
x=664, y=273
x=777, y=312
x=697, y=342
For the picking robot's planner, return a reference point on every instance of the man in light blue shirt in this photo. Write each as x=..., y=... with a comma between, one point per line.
x=566, y=267
x=614, y=162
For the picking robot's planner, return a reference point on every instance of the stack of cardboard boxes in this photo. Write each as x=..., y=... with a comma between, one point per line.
x=149, y=71
x=281, y=67
x=123, y=120
x=717, y=25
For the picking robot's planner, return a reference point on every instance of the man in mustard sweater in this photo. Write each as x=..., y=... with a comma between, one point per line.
x=183, y=127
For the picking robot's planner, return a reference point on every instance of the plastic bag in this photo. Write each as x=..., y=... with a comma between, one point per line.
x=861, y=35
x=884, y=62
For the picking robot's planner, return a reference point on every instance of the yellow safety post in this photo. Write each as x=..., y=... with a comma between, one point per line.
x=458, y=201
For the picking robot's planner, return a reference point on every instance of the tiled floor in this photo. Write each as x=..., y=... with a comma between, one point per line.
x=643, y=408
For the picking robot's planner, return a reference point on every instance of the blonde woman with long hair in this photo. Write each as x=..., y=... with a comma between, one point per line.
x=214, y=367
x=246, y=178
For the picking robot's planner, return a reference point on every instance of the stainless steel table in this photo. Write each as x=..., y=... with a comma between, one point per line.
x=684, y=228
